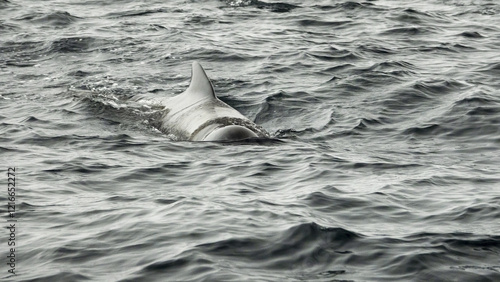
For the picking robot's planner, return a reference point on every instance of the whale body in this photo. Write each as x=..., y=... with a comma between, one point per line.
x=198, y=115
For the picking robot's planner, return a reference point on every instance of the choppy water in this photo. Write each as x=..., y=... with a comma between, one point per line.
x=388, y=113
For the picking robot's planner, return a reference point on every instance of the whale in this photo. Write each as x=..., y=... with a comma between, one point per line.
x=198, y=115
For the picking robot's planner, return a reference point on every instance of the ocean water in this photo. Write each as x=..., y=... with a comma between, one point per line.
x=384, y=163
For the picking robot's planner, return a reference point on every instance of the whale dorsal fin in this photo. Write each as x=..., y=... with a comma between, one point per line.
x=200, y=86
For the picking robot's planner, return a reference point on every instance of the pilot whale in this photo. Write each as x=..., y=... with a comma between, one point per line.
x=198, y=115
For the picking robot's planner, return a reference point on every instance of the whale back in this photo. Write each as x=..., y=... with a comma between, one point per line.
x=192, y=114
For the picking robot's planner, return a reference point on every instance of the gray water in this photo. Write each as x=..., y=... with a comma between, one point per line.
x=384, y=162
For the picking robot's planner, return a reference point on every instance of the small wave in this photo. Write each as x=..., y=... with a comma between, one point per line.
x=406, y=98
x=348, y=5
x=438, y=86
x=475, y=212
x=475, y=130
x=137, y=13
x=473, y=116
x=290, y=106
x=80, y=73
x=340, y=68
x=20, y=64
x=492, y=68
x=421, y=93
x=4, y=4
x=287, y=248
x=169, y=265
x=165, y=201
x=469, y=127
x=79, y=254
x=213, y=54
x=60, y=276
x=376, y=49
x=199, y=269
x=433, y=181
x=471, y=34
x=7, y=27
x=484, y=111
x=322, y=201
x=413, y=16
x=368, y=123
x=487, y=9
x=20, y=46
x=334, y=54
x=168, y=170
x=55, y=19
x=410, y=31
x=478, y=103
x=460, y=273
x=443, y=47
x=384, y=73
x=426, y=130
x=278, y=7
x=461, y=243
x=114, y=107
x=291, y=133
x=122, y=199
x=199, y=19
x=452, y=249
x=23, y=53
x=347, y=56
x=478, y=98
x=79, y=167
x=12, y=151
x=382, y=166
x=255, y=141
x=71, y=45
x=393, y=66
x=316, y=23
x=409, y=19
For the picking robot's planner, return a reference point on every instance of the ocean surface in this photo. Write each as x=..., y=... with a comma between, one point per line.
x=384, y=162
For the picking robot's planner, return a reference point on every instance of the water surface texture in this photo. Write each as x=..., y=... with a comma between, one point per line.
x=387, y=166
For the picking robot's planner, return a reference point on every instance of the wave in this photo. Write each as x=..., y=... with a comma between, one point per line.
x=71, y=45
x=347, y=5
x=60, y=18
x=4, y=4
x=276, y=7
x=141, y=12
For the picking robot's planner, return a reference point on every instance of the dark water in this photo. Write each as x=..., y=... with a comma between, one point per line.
x=388, y=167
